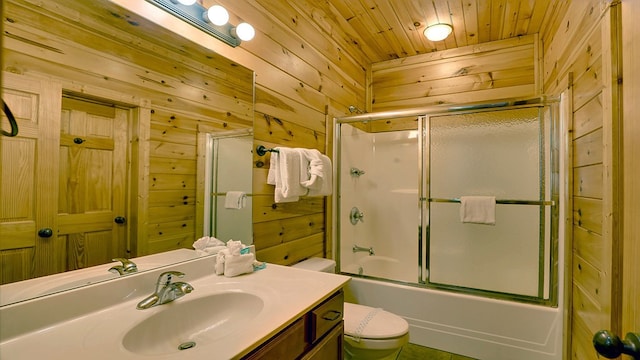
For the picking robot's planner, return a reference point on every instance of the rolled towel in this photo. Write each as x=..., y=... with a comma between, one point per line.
x=220, y=261
x=235, y=265
x=478, y=209
x=207, y=241
x=234, y=247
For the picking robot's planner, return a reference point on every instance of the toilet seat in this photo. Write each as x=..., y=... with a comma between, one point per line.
x=365, y=322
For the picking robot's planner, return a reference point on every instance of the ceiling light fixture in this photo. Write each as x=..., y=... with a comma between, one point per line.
x=438, y=32
x=214, y=20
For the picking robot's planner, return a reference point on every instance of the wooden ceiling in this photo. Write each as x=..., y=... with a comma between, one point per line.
x=390, y=29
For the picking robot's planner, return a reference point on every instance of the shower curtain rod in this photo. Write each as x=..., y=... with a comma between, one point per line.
x=510, y=202
x=449, y=108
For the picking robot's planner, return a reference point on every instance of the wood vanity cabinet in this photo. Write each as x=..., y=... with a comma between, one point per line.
x=317, y=335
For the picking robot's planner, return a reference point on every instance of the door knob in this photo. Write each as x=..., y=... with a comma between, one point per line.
x=45, y=232
x=120, y=220
x=610, y=345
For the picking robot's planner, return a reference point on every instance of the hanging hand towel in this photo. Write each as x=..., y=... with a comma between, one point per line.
x=235, y=200
x=478, y=209
x=284, y=173
x=318, y=177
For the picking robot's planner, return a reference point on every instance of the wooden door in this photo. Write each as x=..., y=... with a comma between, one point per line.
x=28, y=181
x=93, y=178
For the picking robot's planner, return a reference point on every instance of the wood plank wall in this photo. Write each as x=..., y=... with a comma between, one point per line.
x=307, y=72
x=488, y=71
x=304, y=77
x=580, y=56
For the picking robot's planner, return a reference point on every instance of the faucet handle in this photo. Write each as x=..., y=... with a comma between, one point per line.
x=168, y=275
x=127, y=265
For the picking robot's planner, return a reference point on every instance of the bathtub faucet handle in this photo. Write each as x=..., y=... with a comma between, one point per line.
x=356, y=215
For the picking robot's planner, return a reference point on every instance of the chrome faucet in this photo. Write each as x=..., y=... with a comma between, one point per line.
x=127, y=267
x=357, y=248
x=166, y=291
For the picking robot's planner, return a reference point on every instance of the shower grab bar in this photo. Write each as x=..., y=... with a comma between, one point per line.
x=509, y=202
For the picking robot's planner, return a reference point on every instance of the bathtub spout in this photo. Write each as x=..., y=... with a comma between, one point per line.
x=357, y=248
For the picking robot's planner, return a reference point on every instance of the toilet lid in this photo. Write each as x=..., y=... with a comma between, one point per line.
x=372, y=323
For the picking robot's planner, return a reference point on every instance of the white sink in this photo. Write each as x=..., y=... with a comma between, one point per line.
x=225, y=317
x=184, y=324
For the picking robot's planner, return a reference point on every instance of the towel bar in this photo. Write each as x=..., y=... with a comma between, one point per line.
x=509, y=202
x=261, y=150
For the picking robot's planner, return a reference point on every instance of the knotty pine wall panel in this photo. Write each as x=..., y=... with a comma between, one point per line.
x=501, y=69
x=579, y=56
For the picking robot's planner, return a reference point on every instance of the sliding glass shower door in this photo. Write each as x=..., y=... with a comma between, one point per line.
x=505, y=154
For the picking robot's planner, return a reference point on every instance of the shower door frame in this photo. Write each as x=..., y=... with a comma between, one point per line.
x=551, y=189
x=423, y=114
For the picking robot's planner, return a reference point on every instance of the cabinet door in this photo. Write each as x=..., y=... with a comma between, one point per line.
x=288, y=344
x=330, y=347
x=28, y=180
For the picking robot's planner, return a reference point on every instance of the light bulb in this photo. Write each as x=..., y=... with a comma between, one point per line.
x=185, y=2
x=437, y=32
x=245, y=32
x=217, y=15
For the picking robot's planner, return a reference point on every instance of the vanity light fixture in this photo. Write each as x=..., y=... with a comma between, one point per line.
x=214, y=20
x=438, y=32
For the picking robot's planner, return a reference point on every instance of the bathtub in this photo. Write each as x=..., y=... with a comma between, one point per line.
x=478, y=327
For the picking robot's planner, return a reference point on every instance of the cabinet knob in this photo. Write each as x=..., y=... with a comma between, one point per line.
x=120, y=220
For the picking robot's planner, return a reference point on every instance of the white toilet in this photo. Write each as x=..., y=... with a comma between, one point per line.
x=369, y=333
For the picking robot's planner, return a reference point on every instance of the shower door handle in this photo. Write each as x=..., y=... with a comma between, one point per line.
x=610, y=345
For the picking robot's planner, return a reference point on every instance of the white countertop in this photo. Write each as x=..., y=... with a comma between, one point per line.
x=66, y=326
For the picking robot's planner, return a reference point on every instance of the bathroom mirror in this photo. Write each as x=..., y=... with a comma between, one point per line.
x=132, y=60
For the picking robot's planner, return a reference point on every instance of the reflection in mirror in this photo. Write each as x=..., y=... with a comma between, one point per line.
x=80, y=98
x=228, y=182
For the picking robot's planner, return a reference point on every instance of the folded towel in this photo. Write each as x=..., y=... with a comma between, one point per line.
x=478, y=209
x=235, y=265
x=318, y=178
x=235, y=200
x=284, y=173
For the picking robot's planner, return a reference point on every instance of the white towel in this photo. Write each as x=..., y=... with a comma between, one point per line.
x=235, y=200
x=318, y=177
x=478, y=209
x=284, y=173
x=235, y=265
x=208, y=245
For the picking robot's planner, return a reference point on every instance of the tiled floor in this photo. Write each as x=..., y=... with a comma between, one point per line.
x=417, y=352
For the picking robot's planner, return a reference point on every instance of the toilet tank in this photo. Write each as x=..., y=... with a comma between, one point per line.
x=317, y=264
